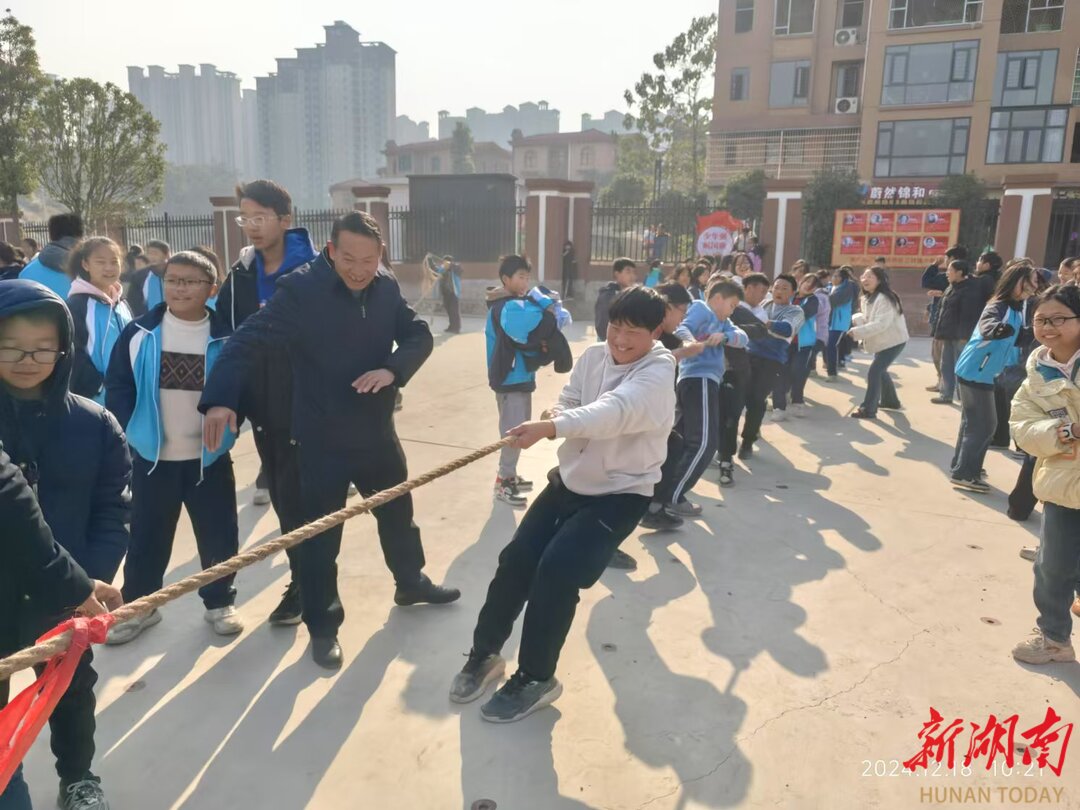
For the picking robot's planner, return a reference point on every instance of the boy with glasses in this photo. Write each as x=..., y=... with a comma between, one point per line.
x=153, y=385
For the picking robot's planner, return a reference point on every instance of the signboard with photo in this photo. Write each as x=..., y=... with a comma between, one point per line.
x=904, y=237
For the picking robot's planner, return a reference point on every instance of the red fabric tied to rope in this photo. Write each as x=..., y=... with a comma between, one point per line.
x=23, y=718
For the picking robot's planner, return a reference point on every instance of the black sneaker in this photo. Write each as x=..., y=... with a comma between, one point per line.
x=661, y=521
x=427, y=592
x=326, y=652
x=727, y=474
x=746, y=450
x=621, y=561
x=974, y=485
x=479, y=672
x=519, y=697
x=83, y=795
x=288, y=611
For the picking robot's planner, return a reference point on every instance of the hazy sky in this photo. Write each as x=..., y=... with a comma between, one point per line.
x=579, y=55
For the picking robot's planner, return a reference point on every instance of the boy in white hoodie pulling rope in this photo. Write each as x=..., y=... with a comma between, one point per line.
x=615, y=415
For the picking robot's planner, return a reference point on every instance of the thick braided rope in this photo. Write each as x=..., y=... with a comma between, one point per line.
x=40, y=653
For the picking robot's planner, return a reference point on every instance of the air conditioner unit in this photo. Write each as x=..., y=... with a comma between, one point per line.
x=846, y=106
x=846, y=36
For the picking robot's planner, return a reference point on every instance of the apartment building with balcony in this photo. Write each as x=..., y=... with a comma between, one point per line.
x=907, y=91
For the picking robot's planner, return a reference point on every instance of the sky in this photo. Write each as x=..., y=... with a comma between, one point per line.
x=578, y=55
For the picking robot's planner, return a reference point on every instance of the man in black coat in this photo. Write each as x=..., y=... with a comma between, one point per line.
x=339, y=318
x=961, y=306
x=37, y=579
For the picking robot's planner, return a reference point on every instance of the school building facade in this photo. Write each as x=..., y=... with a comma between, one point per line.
x=905, y=92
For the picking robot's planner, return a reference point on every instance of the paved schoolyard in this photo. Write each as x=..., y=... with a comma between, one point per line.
x=783, y=651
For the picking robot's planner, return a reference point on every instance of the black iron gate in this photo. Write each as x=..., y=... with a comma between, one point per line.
x=1064, y=236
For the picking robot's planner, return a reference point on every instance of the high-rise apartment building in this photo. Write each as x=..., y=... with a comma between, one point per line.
x=201, y=114
x=327, y=113
x=407, y=131
x=906, y=92
x=531, y=118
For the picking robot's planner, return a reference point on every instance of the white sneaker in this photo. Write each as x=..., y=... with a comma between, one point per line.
x=1039, y=649
x=779, y=416
x=799, y=409
x=1028, y=553
x=224, y=620
x=262, y=497
x=124, y=632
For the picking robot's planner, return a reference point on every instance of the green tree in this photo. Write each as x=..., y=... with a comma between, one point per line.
x=21, y=86
x=828, y=191
x=625, y=189
x=673, y=103
x=102, y=157
x=967, y=192
x=744, y=195
x=461, y=150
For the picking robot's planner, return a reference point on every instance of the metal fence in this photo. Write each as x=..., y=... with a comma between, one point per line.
x=179, y=231
x=631, y=232
x=476, y=234
x=319, y=222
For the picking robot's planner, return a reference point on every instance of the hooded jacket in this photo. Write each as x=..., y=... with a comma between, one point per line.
x=807, y=337
x=48, y=266
x=824, y=315
x=146, y=290
x=1048, y=397
x=699, y=323
x=604, y=297
x=267, y=395
x=333, y=337
x=784, y=322
x=522, y=335
x=98, y=321
x=616, y=420
x=70, y=448
x=133, y=385
x=38, y=578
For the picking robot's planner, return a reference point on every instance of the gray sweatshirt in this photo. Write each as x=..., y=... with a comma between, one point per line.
x=615, y=420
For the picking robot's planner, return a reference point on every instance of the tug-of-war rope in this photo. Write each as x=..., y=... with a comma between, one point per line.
x=62, y=647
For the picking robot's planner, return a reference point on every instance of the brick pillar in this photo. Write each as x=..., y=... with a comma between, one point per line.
x=375, y=200
x=581, y=221
x=1024, y=220
x=228, y=236
x=9, y=228
x=781, y=227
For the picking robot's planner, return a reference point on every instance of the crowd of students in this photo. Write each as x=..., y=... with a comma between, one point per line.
x=147, y=363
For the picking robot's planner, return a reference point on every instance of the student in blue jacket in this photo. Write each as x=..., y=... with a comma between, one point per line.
x=73, y=454
x=987, y=353
x=97, y=310
x=155, y=378
x=842, y=296
x=49, y=267
x=697, y=395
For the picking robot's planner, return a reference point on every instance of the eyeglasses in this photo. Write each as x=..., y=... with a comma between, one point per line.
x=43, y=357
x=184, y=283
x=254, y=222
x=1054, y=321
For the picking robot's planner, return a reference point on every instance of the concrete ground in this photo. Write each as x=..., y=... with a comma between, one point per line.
x=785, y=650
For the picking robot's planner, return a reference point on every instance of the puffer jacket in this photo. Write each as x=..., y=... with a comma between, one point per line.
x=880, y=325
x=1046, y=399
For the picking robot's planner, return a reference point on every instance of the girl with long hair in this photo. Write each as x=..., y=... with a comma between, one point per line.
x=883, y=330
x=842, y=294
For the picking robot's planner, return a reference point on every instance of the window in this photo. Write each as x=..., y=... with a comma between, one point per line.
x=436, y=165
x=530, y=159
x=851, y=14
x=922, y=13
x=789, y=85
x=794, y=17
x=931, y=148
x=744, y=16
x=1031, y=16
x=1076, y=81
x=740, y=84
x=404, y=164
x=1076, y=145
x=586, y=156
x=936, y=73
x=1025, y=78
x=847, y=79
x=1027, y=136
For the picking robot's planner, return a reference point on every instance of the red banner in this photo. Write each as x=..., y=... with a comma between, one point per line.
x=716, y=233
